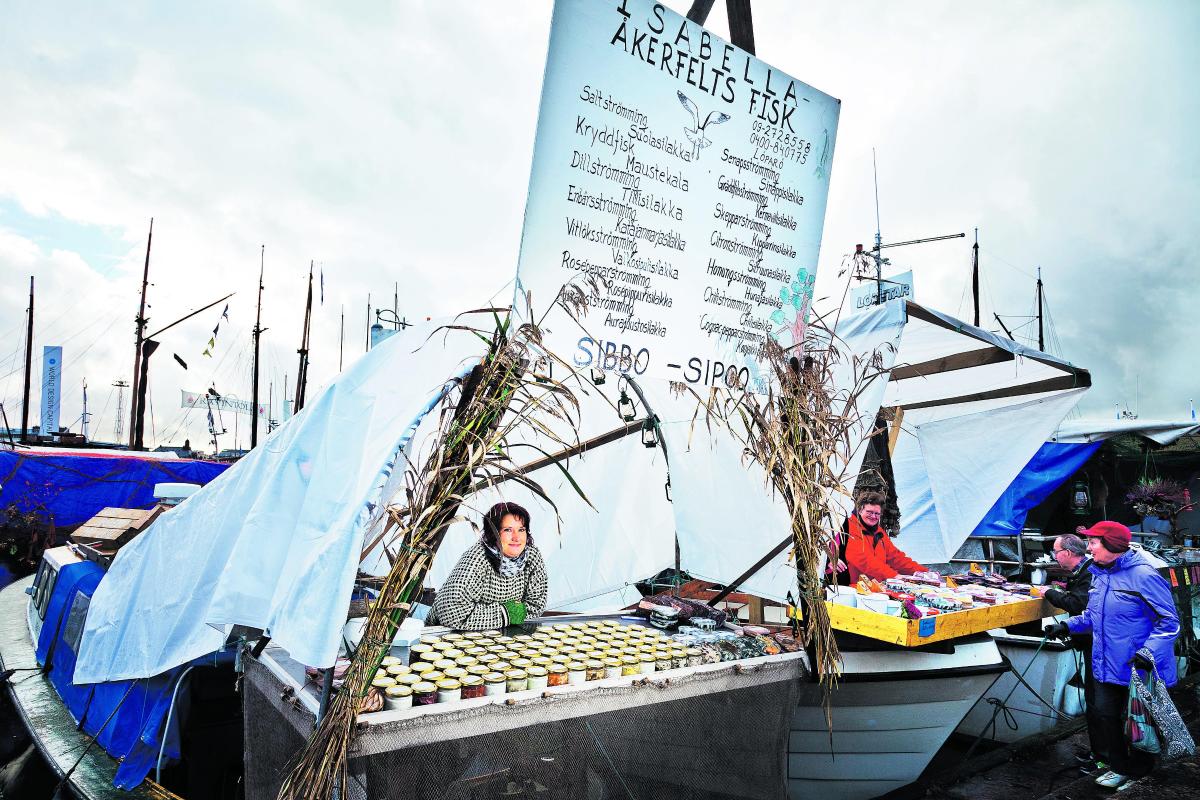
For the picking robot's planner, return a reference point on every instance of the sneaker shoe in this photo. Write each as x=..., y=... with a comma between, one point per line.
x=1085, y=756
x=1111, y=780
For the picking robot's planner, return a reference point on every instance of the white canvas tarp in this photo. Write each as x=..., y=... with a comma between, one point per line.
x=1162, y=432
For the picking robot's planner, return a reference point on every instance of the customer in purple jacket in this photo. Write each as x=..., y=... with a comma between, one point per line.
x=1129, y=607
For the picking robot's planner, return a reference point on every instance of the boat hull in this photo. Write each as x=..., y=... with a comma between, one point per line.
x=892, y=711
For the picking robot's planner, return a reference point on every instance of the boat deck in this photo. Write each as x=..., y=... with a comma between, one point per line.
x=64, y=747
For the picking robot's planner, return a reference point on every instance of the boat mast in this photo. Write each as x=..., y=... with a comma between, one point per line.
x=302, y=373
x=139, y=327
x=342, y=339
x=975, y=275
x=257, y=336
x=28, y=367
x=1041, y=332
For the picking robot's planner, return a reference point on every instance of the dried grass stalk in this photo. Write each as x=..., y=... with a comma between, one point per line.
x=499, y=397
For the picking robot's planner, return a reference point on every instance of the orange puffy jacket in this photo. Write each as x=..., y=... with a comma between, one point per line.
x=871, y=553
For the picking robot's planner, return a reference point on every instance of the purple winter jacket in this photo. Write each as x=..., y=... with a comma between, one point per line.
x=1129, y=607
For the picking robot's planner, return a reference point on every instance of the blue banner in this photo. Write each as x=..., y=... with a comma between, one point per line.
x=1052, y=464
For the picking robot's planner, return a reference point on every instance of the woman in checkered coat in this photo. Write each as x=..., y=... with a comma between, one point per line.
x=499, y=581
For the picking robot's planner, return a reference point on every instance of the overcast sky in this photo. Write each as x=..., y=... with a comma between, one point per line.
x=391, y=143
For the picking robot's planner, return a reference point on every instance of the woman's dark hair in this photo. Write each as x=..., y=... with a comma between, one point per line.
x=869, y=498
x=491, y=522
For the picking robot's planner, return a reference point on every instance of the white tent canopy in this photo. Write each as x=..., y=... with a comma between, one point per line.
x=1159, y=431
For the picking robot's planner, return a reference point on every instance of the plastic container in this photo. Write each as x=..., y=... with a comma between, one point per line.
x=398, y=697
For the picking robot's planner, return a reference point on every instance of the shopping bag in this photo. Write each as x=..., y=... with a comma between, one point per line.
x=1138, y=728
x=1175, y=741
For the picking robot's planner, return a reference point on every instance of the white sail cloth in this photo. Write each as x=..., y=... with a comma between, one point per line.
x=274, y=542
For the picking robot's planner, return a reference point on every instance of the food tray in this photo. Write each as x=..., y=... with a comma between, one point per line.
x=947, y=625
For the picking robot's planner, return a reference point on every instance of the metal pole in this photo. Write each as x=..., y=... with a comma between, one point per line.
x=1041, y=330
x=257, y=335
x=28, y=367
x=975, y=275
x=342, y=339
x=139, y=327
x=302, y=373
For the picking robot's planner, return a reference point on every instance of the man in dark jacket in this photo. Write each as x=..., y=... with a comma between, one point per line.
x=1071, y=554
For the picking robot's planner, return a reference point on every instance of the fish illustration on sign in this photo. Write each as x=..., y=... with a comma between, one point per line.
x=696, y=134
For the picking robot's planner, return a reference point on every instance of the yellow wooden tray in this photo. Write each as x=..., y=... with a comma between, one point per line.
x=947, y=625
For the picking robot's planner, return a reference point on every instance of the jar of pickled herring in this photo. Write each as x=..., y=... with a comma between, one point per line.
x=472, y=687
x=678, y=658
x=517, y=680
x=556, y=675
x=576, y=673
x=538, y=677
x=417, y=652
x=662, y=660
x=494, y=683
x=594, y=669
x=648, y=663
x=612, y=667
x=424, y=694
x=630, y=665
x=398, y=697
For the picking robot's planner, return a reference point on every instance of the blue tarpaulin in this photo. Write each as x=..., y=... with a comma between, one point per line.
x=1052, y=464
x=69, y=489
x=128, y=716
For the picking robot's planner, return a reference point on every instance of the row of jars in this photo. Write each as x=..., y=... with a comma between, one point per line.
x=424, y=684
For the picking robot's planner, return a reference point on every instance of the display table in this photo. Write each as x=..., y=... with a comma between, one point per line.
x=937, y=628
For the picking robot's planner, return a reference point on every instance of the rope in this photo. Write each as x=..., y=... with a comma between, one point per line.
x=1002, y=705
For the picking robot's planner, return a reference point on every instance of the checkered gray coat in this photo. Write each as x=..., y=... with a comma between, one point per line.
x=471, y=598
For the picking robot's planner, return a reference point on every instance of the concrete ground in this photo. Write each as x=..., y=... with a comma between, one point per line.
x=1046, y=768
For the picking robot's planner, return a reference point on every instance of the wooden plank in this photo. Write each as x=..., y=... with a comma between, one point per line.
x=927, y=630
x=894, y=433
x=124, y=513
x=110, y=523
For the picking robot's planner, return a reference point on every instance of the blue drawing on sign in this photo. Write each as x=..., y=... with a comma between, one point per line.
x=695, y=133
x=926, y=627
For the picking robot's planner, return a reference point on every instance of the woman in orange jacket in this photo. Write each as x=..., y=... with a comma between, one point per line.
x=865, y=547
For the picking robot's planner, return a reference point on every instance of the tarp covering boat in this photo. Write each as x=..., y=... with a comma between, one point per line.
x=68, y=489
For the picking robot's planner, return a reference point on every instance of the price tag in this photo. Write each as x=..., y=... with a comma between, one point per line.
x=927, y=626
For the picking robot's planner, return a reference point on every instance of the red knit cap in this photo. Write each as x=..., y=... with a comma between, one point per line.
x=1115, y=536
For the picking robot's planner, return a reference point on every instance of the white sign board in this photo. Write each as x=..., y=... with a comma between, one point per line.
x=223, y=402
x=868, y=293
x=686, y=176
x=51, y=389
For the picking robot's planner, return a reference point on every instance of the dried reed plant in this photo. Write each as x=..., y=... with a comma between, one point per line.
x=508, y=391
x=802, y=433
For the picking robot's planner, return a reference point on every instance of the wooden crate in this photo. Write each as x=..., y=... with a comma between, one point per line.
x=947, y=625
x=113, y=527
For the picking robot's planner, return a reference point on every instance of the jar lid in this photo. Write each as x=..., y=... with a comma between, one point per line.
x=433, y=677
x=529, y=653
x=465, y=661
x=542, y=661
x=647, y=657
x=409, y=679
x=473, y=635
x=422, y=666
x=479, y=669
x=492, y=634
x=424, y=687
x=500, y=666
x=453, y=653
x=472, y=680
x=516, y=674
x=612, y=662
x=450, y=637
x=428, y=640
x=593, y=663
x=493, y=677
x=475, y=651
x=575, y=666
x=455, y=672
x=628, y=659
x=539, y=672
x=432, y=655
x=449, y=684
x=387, y=661
x=443, y=645
x=443, y=663
x=487, y=659
x=398, y=691
x=557, y=668
x=520, y=663
x=383, y=681
x=398, y=669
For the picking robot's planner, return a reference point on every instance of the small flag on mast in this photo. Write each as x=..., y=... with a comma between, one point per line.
x=212, y=340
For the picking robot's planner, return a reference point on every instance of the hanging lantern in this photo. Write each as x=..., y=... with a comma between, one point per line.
x=1081, y=499
x=597, y=376
x=649, y=433
x=625, y=407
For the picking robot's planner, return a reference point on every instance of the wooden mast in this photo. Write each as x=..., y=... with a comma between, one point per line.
x=302, y=373
x=257, y=336
x=139, y=328
x=28, y=367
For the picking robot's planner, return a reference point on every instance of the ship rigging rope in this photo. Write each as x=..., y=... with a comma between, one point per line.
x=1002, y=705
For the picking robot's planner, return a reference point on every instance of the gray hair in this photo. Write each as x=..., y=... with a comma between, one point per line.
x=1073, y=544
